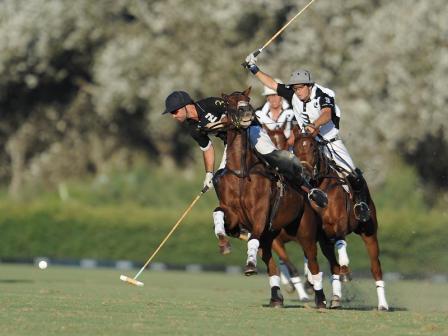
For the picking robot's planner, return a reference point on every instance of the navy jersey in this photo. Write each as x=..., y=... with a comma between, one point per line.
x=209, y=110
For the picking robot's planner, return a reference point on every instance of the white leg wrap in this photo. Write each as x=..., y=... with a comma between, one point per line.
x=218, y=220
x=274, y=281
x=307, y=272
x=381, y=294
x=317, y=281
x=284, y=273
x=252, y=249
x=341, y=246
x=298, y=285
x=305, y=266
x=336, y=285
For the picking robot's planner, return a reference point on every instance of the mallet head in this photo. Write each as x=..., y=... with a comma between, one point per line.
x=131, y=281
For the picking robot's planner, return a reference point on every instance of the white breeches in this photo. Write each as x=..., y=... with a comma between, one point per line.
x=338, y=152
x=260, y=140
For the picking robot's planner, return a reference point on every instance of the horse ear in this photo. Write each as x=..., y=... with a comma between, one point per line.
x=247, y=91
x=224, y=96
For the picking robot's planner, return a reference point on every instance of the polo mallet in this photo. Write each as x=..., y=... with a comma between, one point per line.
x=257, y=52
x=134, y=281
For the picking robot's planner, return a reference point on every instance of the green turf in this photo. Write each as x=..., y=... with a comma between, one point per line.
x=72, y=301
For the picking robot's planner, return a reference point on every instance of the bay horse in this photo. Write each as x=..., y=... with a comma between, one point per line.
x=287, y=267
x=253, y=197
x=338, y=219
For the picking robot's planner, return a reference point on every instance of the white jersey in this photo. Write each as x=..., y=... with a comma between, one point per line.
x=283, y=122
x=307, y=113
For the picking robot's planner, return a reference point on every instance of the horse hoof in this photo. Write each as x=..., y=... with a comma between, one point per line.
x=289, y=287
x=383, y=308
x=345, y=274
x=273, y=303
x=309, y=288
x=335, y=302
x=224, y=245
x=304, y=299
x=250, y=269
x=319, y=299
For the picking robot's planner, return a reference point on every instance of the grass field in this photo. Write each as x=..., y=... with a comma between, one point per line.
x=73, y=301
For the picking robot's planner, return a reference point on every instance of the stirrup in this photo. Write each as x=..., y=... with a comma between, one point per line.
x=362, y=211
x=318, y=197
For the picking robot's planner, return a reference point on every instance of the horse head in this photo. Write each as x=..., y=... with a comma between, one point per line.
x=307, y=150
x=239, y=110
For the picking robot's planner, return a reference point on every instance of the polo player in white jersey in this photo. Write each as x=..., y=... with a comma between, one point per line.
x=316, y=112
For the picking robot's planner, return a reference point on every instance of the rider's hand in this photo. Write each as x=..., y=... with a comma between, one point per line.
x=312, y=130
x=208, y=180
x=250, y=63
x=251, y=59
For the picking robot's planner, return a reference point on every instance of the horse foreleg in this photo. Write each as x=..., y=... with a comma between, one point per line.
x=251, y=263
x=288, y=272
x=327, y=248
x=371, y=243
x=274, y=278
x=220, y=232
x=341, y=247
x=315, y=277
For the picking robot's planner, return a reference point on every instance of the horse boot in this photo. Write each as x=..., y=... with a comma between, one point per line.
x=288, y=165
x=359, y=186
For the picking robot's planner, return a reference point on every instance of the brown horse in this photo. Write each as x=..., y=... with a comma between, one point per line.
x=252, y=196
x=278, y=246
x=338, y=219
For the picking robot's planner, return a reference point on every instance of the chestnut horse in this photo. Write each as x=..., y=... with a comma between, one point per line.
x=253, y=197
x=338, y=219
x=327, y=248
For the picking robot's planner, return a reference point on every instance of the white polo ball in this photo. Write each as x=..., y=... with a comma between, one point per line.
x=42, y=264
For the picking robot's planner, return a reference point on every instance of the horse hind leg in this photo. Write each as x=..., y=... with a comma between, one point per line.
x=371, y=243
x=289, y=275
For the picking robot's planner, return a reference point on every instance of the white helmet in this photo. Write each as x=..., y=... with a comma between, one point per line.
x=268, y=91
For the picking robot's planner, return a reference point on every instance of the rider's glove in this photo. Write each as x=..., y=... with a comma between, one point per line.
x=251, y=60
x=208, y=181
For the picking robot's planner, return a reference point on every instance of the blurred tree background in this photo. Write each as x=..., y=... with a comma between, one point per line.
x=83, y=83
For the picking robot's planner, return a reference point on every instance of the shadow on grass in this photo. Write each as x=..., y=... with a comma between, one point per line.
x=13, y=281
x=355, y=308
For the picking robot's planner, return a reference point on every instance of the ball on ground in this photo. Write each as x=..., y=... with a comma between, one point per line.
x=43, y=264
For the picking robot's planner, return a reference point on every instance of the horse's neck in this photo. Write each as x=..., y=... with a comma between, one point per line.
x=239, y=154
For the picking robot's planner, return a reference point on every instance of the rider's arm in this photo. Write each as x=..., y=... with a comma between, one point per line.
x=209, y=157
x=266, y=80
x=323, y=118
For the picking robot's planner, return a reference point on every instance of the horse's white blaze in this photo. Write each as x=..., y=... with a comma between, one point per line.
x=341, y=247
x=382, y=303
x=252, y=249
x=218, y=220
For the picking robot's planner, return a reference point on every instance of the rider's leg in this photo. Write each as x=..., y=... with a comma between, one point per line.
x=337, y=152
x=285, y=163
x=359, y=185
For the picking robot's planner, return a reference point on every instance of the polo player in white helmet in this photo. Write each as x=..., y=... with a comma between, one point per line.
x=317, y=113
